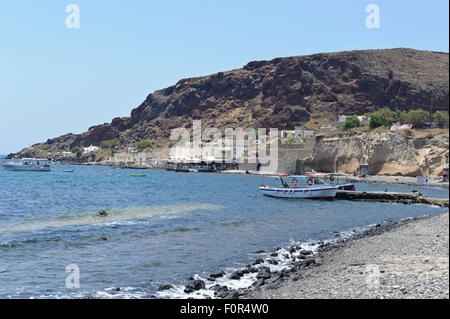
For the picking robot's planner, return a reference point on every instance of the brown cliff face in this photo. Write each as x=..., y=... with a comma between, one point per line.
x=305, y=91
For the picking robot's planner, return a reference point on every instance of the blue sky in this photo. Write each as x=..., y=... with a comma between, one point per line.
x=55, y=80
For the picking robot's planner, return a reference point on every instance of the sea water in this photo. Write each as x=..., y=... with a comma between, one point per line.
x=160, y=229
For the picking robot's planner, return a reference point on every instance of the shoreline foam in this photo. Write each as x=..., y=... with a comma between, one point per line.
x=289, y=261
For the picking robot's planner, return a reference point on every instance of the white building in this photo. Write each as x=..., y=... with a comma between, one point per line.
x=297, y=134
x=90, y=149
x=208, y=152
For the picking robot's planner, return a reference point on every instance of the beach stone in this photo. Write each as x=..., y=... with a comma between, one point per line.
x=305, y=252
x=258, y=261
x=337, y=244
x=188, y=290
x=271, y=286
x=219, y=288
x=164, y=287
x=217, y=275
x=222, y=294
x=236, y=275
x=261, y=251
x=309, y=261
x=196, y=285
x=232, y=295
x=253, y=269
x=274, y=254
x=264, y=273
x=274, y=278
x=258, y=283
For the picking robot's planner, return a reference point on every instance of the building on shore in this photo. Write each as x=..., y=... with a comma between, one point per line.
x=90, y=149
x=154, y=159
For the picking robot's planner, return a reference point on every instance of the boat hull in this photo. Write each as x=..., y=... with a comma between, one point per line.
x=26, y=168
x=328, y=193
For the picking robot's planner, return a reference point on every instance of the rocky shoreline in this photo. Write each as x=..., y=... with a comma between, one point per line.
x=272, y=271
x=407, y=259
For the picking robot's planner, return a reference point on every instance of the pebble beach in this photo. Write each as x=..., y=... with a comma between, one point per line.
x=409, y=260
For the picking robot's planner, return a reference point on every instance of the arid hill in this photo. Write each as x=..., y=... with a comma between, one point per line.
x=304, y=91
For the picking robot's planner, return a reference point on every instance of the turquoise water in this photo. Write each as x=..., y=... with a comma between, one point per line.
x=162, y=228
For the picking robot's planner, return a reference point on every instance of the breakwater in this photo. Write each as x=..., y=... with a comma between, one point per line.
x=392, y=197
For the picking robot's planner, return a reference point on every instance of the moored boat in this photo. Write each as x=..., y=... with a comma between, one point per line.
x=306, y=187
x=28, y=165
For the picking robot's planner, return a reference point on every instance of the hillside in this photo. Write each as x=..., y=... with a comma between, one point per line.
x=304, y=91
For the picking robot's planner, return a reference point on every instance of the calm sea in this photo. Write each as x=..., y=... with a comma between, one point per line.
x=162, y=228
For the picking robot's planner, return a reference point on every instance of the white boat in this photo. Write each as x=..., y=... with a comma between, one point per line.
x=28, y=165
x=306, y=187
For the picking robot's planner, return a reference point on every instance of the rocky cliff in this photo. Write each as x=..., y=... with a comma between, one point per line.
x=303, y=91
x=387, y=153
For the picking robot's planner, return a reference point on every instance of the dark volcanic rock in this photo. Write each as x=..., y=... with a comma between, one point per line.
x=196, y=285
x=164, y=287
x=217, y=275
x=258, y=283
x=258, y=261
x=264, y=273
x=236, y=275
x=232, y=295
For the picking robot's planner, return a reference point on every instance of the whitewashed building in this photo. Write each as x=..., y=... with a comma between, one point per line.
x=90, y=149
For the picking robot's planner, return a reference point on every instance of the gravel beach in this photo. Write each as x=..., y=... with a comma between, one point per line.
x=409, y=261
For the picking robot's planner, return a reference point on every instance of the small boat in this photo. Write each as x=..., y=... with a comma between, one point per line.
x=138, y=175
x=68, y=171
x=307, y=187
x=28, y=165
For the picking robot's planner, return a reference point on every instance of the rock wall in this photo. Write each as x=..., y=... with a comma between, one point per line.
x=388, y=153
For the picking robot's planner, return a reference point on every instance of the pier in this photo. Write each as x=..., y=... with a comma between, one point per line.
x=390, y=197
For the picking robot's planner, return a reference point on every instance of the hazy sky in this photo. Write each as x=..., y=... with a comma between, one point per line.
x=55, y=80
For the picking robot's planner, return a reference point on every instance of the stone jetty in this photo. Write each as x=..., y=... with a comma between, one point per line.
x=391, y=197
